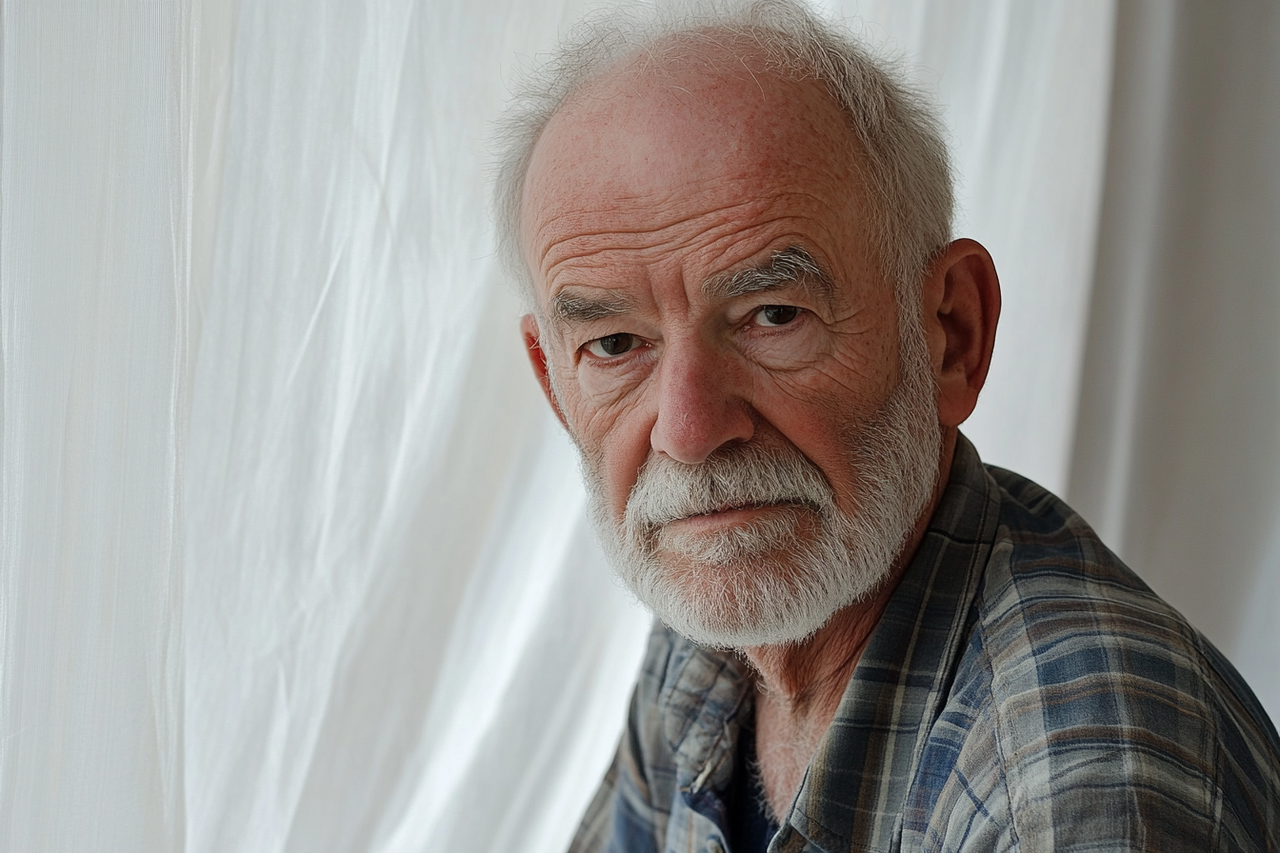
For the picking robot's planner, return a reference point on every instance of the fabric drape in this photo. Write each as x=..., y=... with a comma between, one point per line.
x=293, y=555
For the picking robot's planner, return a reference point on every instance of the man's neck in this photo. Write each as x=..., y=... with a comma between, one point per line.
x=799, y=685
x=798, y=690
x=810, y=677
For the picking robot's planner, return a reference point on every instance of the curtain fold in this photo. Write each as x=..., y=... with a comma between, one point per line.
x=293, y=555
x=389, y=580
x=94, y=316
x=1176, y=457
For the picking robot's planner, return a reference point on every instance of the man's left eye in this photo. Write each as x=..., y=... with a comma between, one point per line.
x=776, y=315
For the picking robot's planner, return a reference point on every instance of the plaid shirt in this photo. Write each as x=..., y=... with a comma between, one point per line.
x=1023, y=691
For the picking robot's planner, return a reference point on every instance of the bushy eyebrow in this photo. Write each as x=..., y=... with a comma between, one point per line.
x=792, y=265
x=569, y=308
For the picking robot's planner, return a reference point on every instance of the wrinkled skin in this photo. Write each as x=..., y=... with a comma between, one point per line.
x=657, y=178
x=640, y=194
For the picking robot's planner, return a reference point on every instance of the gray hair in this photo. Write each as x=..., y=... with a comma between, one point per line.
x=906, y=171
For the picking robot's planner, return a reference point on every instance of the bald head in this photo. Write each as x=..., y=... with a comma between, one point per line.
x=721, y=49
x=699, y=125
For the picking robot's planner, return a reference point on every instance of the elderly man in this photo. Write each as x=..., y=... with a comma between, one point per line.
x=747, y=310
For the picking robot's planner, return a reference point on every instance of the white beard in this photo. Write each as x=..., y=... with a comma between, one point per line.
x=780, y=578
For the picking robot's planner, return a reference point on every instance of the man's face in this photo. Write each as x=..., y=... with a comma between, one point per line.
x=724, y=348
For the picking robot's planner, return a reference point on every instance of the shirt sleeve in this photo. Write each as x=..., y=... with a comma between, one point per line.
x=597, y=824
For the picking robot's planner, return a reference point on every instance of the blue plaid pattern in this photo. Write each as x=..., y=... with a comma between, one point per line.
x=1023, y=691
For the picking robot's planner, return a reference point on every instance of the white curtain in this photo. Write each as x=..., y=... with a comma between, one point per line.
x=1176, y=455
x=292, y=557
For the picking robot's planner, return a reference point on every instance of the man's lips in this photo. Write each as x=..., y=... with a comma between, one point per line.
x=729, y=515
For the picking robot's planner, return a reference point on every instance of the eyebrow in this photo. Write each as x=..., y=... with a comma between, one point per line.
x=792, y=265
x=571, y=308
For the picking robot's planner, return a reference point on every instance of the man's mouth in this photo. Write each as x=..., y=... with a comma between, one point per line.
x=733, y=507
x=739, y=512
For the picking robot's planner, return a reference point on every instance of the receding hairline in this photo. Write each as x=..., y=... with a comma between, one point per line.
x=906, y=186
x=717, y=49
x=590, y=106
x=742, y=54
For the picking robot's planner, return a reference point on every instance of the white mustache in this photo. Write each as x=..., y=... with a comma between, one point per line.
x=733, y=477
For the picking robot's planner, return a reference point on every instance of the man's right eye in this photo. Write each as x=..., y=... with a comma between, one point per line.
x=611, y=346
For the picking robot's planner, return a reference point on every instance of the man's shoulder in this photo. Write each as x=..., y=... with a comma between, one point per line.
x=1096, y=682
x=1054, y=593
x=1050, y=577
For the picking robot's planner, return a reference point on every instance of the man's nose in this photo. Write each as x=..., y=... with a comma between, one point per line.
x=700, y=404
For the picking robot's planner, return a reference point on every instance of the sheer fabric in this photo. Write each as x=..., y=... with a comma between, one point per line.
x=293, y=555
x=95, y=316
x=1176, y=455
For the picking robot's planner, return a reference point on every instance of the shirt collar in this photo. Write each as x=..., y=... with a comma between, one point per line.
x=703, y=697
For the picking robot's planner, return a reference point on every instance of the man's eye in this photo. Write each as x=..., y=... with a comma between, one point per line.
x=776, y=315
x=612, y=345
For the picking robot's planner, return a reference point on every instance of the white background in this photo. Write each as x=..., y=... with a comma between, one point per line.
x=293, y=556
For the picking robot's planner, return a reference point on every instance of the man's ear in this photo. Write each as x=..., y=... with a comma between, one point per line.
x=538, y=360
x=961, y=307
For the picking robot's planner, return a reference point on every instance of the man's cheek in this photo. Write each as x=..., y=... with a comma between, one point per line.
x=599, y=426
x=614, y=440
x=610, y=386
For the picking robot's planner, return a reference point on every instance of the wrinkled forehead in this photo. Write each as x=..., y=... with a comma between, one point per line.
x=697, y=120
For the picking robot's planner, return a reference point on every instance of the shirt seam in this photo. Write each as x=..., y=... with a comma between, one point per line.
x=998, y=736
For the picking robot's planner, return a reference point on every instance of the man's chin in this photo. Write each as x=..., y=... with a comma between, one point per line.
x=728, y=606
x=736, y=631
